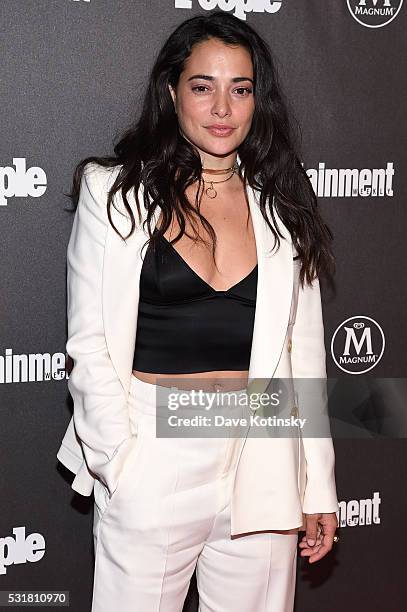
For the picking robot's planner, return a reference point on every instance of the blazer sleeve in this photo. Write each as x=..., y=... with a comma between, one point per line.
x=308, y=358
x=101, y=418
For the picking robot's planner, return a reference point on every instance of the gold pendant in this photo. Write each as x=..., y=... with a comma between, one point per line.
x=210, y=190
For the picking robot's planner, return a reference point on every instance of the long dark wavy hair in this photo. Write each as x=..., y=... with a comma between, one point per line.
x=153, y=153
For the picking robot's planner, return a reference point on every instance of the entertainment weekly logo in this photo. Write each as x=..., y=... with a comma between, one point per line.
x=374, y=13
x=360, y=512
x=32, y=367
x=351, y=182
x=326, y=182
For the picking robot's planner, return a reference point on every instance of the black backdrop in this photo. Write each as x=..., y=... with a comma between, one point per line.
x=72, y=74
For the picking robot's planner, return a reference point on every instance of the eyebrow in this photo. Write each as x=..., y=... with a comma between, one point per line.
x=207, y=77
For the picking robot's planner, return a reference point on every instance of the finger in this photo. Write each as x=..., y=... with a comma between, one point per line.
x=320, y=534
x=319, y=538
x=304, y=544
x=311, y=531
x=323, y=550
x=329, y=531
x=308, y=552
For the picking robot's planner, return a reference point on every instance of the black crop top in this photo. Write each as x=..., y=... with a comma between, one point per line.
x=186, y=326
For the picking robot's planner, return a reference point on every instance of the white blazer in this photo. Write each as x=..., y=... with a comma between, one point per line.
x=277, y=479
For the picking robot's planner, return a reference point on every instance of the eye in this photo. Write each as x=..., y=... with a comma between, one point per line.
x=248, y=89
x=199, y=87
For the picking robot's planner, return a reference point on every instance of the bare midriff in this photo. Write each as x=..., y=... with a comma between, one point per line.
x=220, y=380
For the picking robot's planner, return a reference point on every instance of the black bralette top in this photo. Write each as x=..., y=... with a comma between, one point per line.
x=186, y=326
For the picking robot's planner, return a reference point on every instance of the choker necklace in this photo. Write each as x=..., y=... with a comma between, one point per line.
x=211, y=191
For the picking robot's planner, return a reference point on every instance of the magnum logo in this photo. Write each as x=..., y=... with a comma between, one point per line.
x=374, y=13
x=357, y=345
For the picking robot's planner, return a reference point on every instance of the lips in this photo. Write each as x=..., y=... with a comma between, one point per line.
x=220, y=130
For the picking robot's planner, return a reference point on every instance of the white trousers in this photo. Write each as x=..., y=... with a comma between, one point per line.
x=170, y=515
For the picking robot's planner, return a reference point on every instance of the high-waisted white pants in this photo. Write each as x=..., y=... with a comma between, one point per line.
x=169, y=515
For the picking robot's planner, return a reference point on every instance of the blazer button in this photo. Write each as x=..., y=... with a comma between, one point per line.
x=294, y=411
x=289, y=345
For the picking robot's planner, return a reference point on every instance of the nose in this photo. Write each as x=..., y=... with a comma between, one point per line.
x=221, y=105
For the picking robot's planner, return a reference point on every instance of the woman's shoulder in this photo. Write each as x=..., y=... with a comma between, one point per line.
x=97, y=180
x=103, y=175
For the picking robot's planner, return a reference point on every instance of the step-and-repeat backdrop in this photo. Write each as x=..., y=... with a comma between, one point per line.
x=73, y=74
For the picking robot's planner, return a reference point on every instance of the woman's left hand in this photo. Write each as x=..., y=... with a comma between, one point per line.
x=319, y=533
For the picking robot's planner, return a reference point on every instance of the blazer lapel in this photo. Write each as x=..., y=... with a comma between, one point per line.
x=274, y=294
x=121, y=277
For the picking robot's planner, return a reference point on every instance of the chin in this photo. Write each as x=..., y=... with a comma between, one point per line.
x=224, y=148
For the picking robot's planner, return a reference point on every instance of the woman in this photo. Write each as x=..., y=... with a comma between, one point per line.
x=209, y=175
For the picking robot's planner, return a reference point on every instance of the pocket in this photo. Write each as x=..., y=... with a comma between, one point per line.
x=103, y=499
